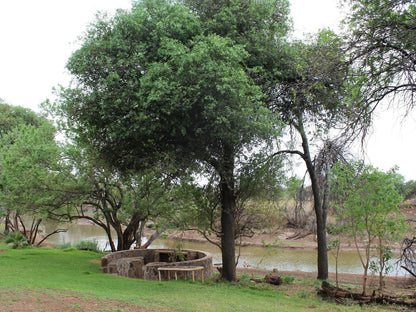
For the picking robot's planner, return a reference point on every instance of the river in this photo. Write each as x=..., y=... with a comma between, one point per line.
x=284, y=259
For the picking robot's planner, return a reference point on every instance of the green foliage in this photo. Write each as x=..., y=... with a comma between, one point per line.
x=369, y=207
x=62, y=246
x=122, y=201
x=381, y=264
x=244, y=280
x=287, y=279
x=407, y=189
x=32, y=171
x=16, y=240
x=320, y=90
x=88, y=245
x=368, y=197
x=12, y=117
x=192, y=79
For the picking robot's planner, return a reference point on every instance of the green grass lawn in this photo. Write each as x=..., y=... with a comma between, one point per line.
x=79, y=271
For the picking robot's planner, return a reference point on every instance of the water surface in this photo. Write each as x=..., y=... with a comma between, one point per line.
x=284, y=259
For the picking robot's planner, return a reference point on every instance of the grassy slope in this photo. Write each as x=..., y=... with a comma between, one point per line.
x=78, y=271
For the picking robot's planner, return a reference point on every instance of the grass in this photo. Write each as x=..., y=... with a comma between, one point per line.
x=42, y=269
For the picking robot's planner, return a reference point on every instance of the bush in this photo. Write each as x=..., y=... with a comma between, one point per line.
x=88, y=245
x=16, y=240
x=287, y=279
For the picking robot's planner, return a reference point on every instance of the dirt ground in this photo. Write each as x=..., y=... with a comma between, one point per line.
x=55, y=300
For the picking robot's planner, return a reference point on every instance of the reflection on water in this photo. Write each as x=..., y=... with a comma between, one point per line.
x=285, y=259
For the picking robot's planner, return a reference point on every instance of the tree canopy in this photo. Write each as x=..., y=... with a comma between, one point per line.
x=14, y=116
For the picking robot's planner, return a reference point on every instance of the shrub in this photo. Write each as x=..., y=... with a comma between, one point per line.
x=16, y=240
x=287, y=279
x=88, y=245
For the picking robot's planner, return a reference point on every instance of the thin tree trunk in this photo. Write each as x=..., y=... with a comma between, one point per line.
x=110, y=238
x=365, y=279
x=7, y=222
x=139, y=235
x=336, y=263
x=34, y=232
x=318, y=207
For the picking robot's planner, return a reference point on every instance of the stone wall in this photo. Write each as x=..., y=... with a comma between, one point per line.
x=144, y=263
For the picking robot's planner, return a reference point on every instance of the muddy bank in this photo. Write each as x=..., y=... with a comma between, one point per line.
x=283, y=239
x=286, y=238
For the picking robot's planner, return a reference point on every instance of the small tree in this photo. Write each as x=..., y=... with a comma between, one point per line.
x=369, y=204
x=12, y=120
x=120, y=202
x=334, y=241
x=32, y=175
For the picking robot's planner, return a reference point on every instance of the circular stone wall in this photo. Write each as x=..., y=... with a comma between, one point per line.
x=144, y=263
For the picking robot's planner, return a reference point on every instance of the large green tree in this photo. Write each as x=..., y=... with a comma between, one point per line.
x=168, y=82
x=382, y=45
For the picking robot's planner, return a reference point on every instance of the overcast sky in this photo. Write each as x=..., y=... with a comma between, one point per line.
x=37, y=38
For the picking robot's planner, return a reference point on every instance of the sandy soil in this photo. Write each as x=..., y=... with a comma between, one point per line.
x=55, y=300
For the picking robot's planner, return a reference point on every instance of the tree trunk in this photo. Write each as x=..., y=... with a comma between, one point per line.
x=130, y=232
x=319, y=208
x=365, y=277
x=110, y=239
x=320, y=227
x=227, y=216
x=7, y=223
